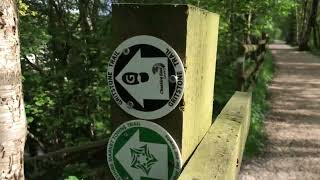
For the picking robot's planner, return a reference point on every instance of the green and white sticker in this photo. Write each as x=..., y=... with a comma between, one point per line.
x=143, y=150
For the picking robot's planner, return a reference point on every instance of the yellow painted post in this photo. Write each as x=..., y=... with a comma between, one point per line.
x=219, y=155
x=193, y=33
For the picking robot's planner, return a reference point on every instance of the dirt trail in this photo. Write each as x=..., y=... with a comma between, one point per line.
x=293, y=123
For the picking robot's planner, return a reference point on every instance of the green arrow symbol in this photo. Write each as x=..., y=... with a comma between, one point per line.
x=141, y=159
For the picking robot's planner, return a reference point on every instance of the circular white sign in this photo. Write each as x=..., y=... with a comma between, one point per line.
x=146, y=77
x=139, y=149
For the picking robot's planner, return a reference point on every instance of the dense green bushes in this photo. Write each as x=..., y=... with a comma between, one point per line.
x=256, y=137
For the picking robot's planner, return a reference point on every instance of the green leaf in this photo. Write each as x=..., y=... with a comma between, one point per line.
x=72, y=178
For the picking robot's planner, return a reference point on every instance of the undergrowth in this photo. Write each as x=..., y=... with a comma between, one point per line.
x=260, y=106
x=315, y=51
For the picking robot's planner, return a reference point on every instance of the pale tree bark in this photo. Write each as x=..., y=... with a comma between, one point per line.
x=12, y=114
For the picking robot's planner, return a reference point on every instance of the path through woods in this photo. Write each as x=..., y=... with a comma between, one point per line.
x=293, y=123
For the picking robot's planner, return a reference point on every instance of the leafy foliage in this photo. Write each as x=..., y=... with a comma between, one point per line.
x=256, y=137
x=64, y=68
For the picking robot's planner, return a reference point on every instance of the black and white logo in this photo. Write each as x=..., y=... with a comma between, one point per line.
x=146, y=77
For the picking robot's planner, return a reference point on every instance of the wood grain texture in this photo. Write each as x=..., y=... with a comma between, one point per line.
x=202, y=40
x=219, y=155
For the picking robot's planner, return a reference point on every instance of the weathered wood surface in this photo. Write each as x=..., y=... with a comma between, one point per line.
x=249, y=71
x=219, y=155
x=262, y=41
x=193, y=33
x=202, y=39
x=247, y=48
x=246, y=76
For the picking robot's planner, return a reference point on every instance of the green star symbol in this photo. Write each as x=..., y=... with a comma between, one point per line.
x=142, y=159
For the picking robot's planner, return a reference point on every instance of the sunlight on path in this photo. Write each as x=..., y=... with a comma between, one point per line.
x=293, y=123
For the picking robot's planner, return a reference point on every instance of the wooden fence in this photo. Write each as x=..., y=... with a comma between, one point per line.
x=250, y=62
x=219, y=155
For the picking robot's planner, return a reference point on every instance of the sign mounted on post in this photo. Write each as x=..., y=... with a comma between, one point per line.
x=146, y=77
x=142, y=149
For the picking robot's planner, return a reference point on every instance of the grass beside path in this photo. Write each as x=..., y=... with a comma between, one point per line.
x=260, y=106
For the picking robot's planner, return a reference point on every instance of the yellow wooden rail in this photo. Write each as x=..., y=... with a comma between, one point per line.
x=219, y=155
x=247, y=48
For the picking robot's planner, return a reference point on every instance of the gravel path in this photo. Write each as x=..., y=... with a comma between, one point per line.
x=293, y=124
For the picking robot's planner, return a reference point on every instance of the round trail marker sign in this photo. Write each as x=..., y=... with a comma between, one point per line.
x=146, y=77
x=142, y=149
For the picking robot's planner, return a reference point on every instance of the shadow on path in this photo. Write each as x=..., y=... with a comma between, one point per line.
x=293, y=123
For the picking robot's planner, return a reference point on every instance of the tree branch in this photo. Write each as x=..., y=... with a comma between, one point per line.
x=85, y=147
x=32, y=136
x=35, y=67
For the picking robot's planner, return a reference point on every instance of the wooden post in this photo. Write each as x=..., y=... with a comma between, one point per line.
x=240, y=73
x=193, y=33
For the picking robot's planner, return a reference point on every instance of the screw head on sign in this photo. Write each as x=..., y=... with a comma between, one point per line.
x=125, y=134
x=173, y=79
x=130, y=104
x=126, y=51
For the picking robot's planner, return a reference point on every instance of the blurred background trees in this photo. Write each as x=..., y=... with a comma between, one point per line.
x=301, y=26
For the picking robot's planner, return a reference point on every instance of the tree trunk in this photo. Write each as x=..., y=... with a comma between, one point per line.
x=304, y=40
x=248, y=31
x=13, y=125
x=84, y=16
x=95, y=14
x=298, y=25
x=318, y=34
x=315, y=36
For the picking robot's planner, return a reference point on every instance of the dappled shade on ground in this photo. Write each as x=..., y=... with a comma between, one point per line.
x=293, y=123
